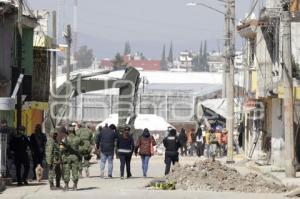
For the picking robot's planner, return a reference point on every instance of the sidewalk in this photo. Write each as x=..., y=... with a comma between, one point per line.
x=243, y=165
x=276, y=173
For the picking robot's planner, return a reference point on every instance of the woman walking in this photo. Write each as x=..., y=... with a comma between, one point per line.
x=38, y=141
x=183, y=142
x=125, y=146
x=200, y=142
x=145, y=149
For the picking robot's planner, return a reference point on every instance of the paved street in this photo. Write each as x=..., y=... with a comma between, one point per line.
x=94, y=187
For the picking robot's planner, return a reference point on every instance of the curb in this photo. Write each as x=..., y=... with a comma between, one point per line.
x=266, y=174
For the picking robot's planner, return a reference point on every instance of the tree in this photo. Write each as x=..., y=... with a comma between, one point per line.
x=142, y=56
x=170, y=57
x=118, y=62
x=205, y=60
x=198, y=60
x=163, y=61
x=127, y=49
x=84, y=57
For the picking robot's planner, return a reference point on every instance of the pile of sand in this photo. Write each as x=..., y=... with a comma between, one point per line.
x=214, y=176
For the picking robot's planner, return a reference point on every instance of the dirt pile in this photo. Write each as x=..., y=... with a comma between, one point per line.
x=214, y=176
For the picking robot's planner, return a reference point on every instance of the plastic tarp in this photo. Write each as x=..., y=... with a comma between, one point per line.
x=215, y=110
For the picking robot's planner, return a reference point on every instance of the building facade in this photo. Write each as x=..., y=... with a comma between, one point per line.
x=264, y=76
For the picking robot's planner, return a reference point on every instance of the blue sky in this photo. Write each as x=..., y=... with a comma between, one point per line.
x=105, y=25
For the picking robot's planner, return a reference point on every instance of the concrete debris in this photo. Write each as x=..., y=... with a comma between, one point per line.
x=214, y=176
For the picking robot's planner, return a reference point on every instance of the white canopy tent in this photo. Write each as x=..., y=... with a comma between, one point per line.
x=142, y=121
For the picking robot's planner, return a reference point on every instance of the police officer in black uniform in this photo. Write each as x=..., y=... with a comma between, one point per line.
x=19, y=144
x=172, y=144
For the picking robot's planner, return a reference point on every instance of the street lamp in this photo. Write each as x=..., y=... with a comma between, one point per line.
x=205, y=5
x=228, y=71
x=226, y=24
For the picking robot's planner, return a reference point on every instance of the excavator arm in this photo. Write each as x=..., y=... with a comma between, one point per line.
x=128, y=89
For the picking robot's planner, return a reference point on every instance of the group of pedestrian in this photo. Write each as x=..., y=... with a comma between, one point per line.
x=68, y=151
x=18, y=148
x=120, y=141
x=110, y=136
x=191, y=141
x=211, y=142
x=65, y=153
x=216, y=142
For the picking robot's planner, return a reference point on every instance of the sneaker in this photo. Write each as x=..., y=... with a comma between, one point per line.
x=25, y=182
x=109, y=177
x=20, y=184
x=122, y=178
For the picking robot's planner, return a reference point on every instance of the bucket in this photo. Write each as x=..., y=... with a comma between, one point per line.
x=7, y=103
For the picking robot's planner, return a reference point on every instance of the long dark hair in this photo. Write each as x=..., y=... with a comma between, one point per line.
x=146, y=133
x=38, y=129
x=182, y=131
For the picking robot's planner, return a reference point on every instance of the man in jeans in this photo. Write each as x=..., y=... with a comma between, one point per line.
x=106, y=144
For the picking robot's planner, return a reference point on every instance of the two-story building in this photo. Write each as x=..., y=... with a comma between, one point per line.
x=264, y=96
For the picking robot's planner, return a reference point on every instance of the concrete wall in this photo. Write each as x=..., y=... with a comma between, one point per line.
x=97, y=107
x=277, y=129
x=263, y=64
x=6, y=42
x=27, y=43
x=296, y=41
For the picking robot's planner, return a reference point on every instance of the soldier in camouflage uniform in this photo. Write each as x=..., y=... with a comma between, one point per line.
x=53, y=158
x=69, y=148
x=86, y=146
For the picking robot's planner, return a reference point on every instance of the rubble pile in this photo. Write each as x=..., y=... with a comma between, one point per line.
x=214, y=176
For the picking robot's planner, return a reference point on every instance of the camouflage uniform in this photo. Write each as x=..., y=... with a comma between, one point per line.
x=53, y=159
x=70, y=158
x=85, y=148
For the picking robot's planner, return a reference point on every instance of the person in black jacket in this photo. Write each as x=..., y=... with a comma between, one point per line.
x=183, y=142
x=125, y=146
x=19, y=145
x=172, y=145
x=38, y=142
x=106, y=144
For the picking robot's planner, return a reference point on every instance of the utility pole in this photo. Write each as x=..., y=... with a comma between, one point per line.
x=229, y=72
x=290, y=170
x=19, y=61
x=226, y=49
x=68, y=38
x=75, y=30
x=54, y=46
